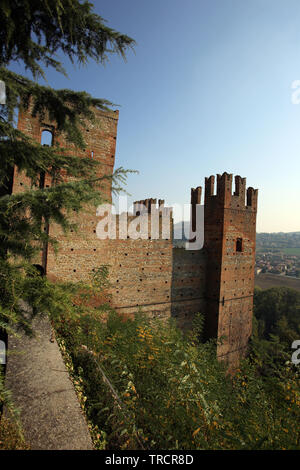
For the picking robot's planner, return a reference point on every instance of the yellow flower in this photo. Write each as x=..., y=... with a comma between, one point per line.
x=196, y=432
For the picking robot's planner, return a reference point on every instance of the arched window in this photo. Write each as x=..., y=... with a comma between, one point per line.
x=47, y=138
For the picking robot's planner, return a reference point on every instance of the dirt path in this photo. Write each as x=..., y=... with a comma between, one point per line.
x=43, y=392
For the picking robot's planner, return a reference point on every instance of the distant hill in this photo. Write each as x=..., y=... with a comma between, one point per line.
x=278, y=241
x=179, y=231
x=288, y=243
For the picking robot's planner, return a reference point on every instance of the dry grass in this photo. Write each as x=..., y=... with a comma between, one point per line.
x=11, y=437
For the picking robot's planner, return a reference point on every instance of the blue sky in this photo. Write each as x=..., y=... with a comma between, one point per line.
x=207, y=90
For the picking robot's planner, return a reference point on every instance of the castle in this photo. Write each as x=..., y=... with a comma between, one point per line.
x=163, y=281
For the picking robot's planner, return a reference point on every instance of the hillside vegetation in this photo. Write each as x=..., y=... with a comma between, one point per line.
x=286, y=242
x=143, y=385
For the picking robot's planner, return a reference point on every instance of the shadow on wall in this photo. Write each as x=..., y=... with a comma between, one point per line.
x=188, y=285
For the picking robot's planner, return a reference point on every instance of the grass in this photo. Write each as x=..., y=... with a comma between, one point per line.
x=292, y=251
x=266, y=281
x=11, y=437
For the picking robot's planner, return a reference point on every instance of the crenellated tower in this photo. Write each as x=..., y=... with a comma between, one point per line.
x=229, y=242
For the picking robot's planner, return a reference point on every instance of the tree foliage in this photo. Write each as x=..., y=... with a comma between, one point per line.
x=276, y=327
x=277, y=311
x=33, y=33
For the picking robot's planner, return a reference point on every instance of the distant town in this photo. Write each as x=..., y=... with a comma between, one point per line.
x=278, y=253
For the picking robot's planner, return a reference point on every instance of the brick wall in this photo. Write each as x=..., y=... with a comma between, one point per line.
x=140, y=271
x=100, y=138
x=188, y=285
x=230, y=232
x=76, y=249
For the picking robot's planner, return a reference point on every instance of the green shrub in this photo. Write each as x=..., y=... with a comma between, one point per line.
x=146, y=385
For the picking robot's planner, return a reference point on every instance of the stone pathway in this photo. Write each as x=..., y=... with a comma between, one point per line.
x=41, y=389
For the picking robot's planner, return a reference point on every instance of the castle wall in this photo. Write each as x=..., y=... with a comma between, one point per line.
x=144, y=274
x=141, y=276
x=188, y=285
x=148, y=273
x=79, y=253
x=140, y=271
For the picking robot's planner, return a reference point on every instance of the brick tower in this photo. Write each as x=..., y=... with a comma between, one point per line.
x=229, y=242
x=100, y=138
x=76, y=254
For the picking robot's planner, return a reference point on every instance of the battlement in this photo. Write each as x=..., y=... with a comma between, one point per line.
x=196, y=195
x=252, y=198
x=147, y=205
x=195, y=199
x=240, y=187
x=224, y=195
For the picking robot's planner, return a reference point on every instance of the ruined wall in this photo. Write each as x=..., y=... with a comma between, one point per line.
x=230, y=233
